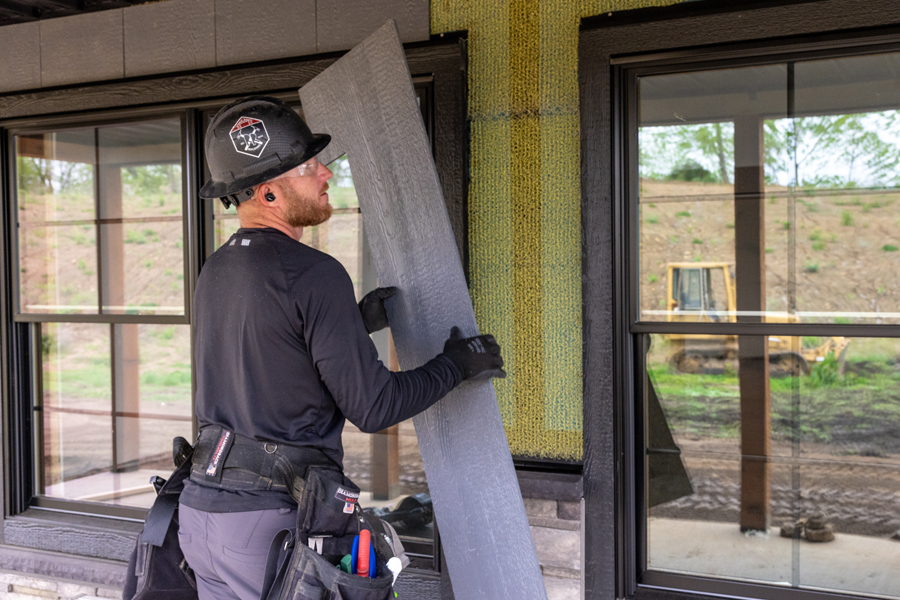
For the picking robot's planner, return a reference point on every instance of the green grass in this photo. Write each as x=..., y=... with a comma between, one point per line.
x=815, y=236
x=141, y=237
x=652, y=278
x=174, y=378
x=652, y=219
x=818, y=246
x=830, y=407
x=697, y=241
x=846, y=219
x=342, y=197
x=811, y=266
x=682, y=214
x=890, y=248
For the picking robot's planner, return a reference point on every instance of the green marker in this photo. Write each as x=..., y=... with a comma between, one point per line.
x=345, y=564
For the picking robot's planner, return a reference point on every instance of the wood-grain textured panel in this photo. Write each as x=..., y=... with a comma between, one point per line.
x=366, y=102
x=85, y=536
x=20, y=65
x=220, y=83
x=418, y=585
x=53, y=564
x=597, y=260
x=80, y=48
x=164, y=37
x=341, y=24
x=254, y=30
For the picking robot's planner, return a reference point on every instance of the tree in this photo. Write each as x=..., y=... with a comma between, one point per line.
x=817, y=151
x=665, y=150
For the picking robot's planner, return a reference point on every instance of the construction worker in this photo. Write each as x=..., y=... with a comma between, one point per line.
x=282, y=350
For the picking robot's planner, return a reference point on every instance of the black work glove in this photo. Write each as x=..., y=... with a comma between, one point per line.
x=371, y=307
x=477, y=357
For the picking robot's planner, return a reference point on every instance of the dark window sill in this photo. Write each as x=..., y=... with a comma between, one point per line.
x=542, y=485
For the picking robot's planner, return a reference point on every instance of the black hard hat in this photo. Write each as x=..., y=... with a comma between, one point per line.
x=254, y=140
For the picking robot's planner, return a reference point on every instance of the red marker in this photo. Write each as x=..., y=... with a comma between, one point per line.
x=365, y=544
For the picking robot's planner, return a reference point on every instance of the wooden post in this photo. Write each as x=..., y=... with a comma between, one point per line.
x=385, y=449
x=366, y=101
x=753, y=355
x=124, y=337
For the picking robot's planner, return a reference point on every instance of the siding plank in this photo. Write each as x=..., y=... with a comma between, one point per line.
x=366, y=101
x=20, y=67
x=341, y=24
x=418, y=584
x=178, y=35
x=107, y=538
x=253, y=30
x=86, y=47
x=244, y=80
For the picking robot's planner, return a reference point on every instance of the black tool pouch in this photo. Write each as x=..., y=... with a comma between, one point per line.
x=157, y=569
x=327, y=505
x=297, y=571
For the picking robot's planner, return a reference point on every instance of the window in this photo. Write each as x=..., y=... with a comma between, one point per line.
x=101, y=283
x=765, y=206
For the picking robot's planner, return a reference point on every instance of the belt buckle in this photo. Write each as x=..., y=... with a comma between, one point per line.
x=273, y=450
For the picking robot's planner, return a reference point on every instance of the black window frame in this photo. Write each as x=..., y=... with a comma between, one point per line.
x=612, y=52
x=438, y=66
x=27, y=325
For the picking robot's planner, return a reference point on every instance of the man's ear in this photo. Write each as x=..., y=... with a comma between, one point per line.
x=265, y=194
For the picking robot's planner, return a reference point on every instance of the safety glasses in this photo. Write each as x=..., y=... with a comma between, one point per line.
x=310, y=167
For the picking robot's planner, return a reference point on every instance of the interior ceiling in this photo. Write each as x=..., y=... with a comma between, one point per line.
x=24, y=11
x=845, y=85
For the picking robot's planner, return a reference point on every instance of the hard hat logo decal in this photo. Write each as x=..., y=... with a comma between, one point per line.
x=249, y=136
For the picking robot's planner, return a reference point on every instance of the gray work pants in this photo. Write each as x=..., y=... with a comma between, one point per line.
x=228, y=551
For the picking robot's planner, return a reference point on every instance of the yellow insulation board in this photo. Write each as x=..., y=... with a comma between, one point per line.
x=525, y=205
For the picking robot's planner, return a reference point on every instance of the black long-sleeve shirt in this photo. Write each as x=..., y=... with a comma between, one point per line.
x=282, y=353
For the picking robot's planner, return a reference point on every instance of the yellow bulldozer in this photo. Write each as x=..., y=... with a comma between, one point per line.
x=704, y=292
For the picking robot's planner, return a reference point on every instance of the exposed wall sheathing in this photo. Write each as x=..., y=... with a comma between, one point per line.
x=524, y=205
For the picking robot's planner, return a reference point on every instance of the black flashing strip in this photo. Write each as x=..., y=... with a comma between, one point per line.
x=688, y=8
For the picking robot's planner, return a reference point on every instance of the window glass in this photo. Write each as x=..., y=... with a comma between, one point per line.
x=99, y=214
x=114, y=396
x=100, y=220
x=817, y=145
x=825, y=415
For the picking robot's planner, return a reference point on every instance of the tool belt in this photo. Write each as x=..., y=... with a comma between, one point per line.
x=303, y=562
x=227, y=460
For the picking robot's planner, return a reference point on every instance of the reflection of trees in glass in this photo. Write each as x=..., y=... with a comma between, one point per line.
x=342, y=192
x=41, y=176
x=851, y=150
x=688, y=152
x=833, y=151
x=152, y=179
x=341, y=170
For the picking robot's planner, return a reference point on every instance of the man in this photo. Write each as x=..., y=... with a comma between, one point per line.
x=282, y=350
